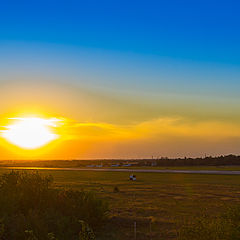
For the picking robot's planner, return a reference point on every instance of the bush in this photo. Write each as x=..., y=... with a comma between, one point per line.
x=31, y=208
x=115, y=189
x=224, y=227
x=86, y=232
x=30, y=235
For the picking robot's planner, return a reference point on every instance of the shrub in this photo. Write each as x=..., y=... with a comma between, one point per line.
x=51, y=236
x=224, y=227
x=115, y=189
x=30, y=235
x=2, y=229
x=29, y=201
x=86, y=232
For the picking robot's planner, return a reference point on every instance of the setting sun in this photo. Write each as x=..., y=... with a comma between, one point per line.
x=30, y=133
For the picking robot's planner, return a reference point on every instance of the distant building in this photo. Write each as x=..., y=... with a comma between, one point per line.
x=115, y=165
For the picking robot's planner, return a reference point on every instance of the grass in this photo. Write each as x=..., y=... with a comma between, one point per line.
x=167, y=200
x=213, y=168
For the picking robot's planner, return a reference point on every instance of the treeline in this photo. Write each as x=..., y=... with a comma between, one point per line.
x=207, y=161
x=154, y=161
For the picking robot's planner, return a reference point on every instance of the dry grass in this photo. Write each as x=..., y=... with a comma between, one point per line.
x=165, y=200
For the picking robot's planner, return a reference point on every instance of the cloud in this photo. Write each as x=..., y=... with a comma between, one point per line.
x=177, y=127
x=159, y=128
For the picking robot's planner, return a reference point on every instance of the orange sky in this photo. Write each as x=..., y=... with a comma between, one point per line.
x=97, y=124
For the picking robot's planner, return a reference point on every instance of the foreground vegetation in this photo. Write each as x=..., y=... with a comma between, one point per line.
x=32, y=209
x=164, y=206
x=223, y=227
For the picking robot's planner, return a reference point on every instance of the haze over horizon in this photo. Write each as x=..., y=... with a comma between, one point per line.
x=120, y=80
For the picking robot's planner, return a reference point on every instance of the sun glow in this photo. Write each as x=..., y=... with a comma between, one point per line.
x=30, y=133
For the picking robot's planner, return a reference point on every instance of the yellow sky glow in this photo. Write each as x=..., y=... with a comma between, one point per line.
x=35, y=137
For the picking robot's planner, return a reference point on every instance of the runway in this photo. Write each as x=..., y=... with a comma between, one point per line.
x=216, y=172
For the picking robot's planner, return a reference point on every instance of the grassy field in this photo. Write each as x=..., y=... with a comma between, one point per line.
x=165, y=200
x=213, y=168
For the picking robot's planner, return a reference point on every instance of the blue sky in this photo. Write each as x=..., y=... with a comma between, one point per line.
x=173, y=47
x=204, y=31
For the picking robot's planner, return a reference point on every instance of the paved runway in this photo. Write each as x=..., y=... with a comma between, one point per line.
x=216, y=172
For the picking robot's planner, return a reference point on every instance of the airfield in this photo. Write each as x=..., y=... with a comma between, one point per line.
x=133, y=170
x=159, y=201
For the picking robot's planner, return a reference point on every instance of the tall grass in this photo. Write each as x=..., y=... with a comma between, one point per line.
x=223, y=227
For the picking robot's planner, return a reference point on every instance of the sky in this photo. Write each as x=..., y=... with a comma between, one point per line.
x=127, y=79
